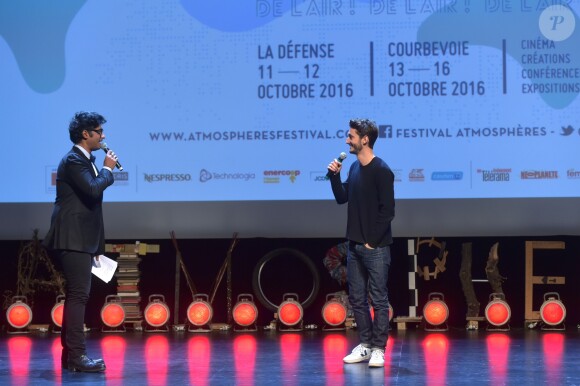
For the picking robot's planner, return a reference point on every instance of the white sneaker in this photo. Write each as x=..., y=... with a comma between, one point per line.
x=359, y=354
x=377, y=358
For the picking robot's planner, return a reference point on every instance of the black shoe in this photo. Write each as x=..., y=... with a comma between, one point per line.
x=85, y=364
x=64, y=362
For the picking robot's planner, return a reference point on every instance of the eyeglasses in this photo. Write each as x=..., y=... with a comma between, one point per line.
x=98, y=131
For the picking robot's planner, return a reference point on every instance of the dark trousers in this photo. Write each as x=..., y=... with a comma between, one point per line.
x=368, y=272
x=76, y=267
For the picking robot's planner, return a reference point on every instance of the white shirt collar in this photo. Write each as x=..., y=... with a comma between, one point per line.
x=85, y=152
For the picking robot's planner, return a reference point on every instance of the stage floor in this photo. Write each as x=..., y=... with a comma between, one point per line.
x=455, y=357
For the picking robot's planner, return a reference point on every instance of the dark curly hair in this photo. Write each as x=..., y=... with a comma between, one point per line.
x=365, y=127
x=84, y=121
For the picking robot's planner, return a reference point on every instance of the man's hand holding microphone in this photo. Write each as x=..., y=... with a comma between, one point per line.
x=111, y=160
x=335, y=166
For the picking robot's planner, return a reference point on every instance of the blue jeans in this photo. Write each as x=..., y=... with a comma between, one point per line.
x=368, y=270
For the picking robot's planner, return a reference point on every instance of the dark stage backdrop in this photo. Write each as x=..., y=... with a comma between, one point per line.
x=203, y=259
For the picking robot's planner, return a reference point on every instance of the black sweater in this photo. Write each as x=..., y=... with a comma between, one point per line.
x=369, y=191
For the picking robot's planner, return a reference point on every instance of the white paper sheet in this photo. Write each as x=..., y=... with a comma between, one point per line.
x=104, y=268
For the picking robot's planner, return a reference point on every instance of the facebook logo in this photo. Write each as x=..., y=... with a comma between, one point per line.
x=385, y=131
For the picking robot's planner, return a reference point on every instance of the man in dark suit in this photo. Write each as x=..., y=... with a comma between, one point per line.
x=76, y=237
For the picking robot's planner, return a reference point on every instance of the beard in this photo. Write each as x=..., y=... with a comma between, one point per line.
x=355, y=148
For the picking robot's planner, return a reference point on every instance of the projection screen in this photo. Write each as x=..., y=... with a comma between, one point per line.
x=225, y=114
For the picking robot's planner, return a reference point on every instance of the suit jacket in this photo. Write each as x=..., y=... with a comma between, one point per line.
x=77, y=219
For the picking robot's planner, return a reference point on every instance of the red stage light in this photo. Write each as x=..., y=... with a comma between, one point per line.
x=290, y=312
x=156, y=313
x=113, y=312
x=552, y=311
x=391, y=313
x=435, y=311
x=19, y=314
x=245, y=312
x=333, y=311
x=57, y=311
x=200, y=312
x=497, y=311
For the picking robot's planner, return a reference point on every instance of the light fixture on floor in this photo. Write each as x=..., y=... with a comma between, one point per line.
x=57, y=313
x=436, y=312
x=200, y=313
x=19, y=315
x=391, y=313
x=245, y=313
x=113, y=314
x=333, y=313
x=156, y=314
x=498, y=313
x=290, y=313
x=553, y=312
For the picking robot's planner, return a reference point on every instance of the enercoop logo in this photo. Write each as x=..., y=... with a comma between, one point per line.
x=275, y=176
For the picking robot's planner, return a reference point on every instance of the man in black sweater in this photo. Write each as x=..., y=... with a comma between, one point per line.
x=369, y=191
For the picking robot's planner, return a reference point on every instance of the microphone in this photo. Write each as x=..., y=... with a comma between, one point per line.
x=340, y=158
x=106, y=150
